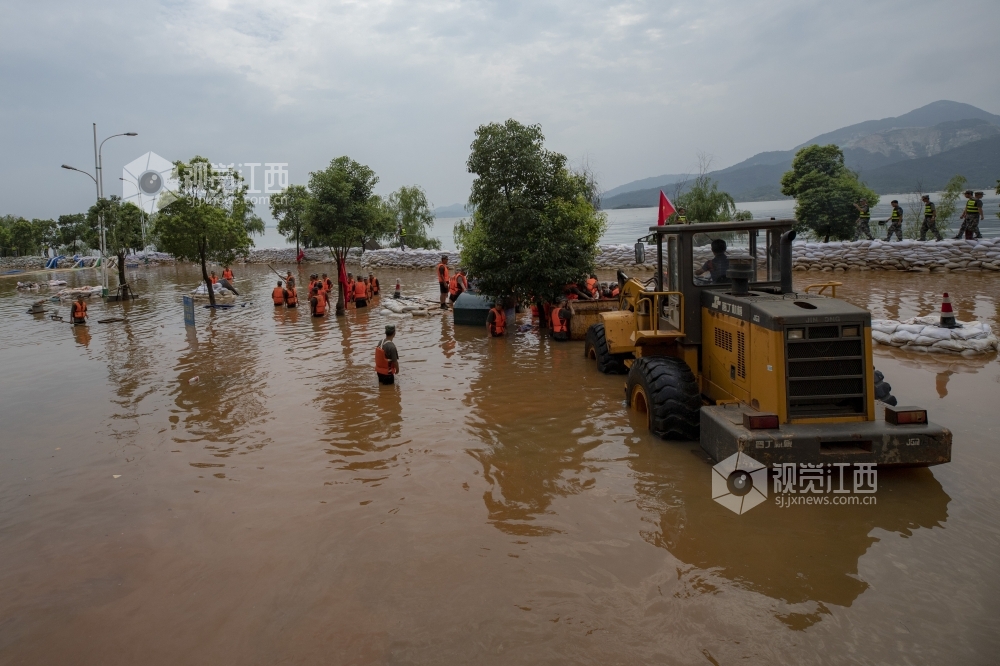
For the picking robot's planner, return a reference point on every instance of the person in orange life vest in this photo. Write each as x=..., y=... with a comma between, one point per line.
x=360, y=294
x=573, y=292
x=368, y=287
x=387, y=358
x=227, y=274
x=615, y=290
x=443, y=280
x=79, y=311
x=278, y=295
x=376, y=288
x=496, y=320
x=312, y=283
x=349, y=296
x=560, y=321
x=318, y=302
x=289, y=280
x=590, y=286
x=457, y=285
x=327, y=284
x=291, y=297
x=214, y=278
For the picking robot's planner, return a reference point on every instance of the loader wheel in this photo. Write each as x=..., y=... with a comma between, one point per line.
x=883, y=390
x=665, y=389
x=596, y=348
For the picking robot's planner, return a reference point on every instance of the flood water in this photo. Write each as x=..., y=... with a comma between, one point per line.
x=497, y=505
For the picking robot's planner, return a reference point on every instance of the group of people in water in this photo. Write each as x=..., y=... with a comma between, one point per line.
x=360, y=292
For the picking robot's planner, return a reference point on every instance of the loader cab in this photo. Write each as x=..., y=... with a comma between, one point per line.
x=692, y=259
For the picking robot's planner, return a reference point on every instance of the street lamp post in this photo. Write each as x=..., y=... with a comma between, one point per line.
x=98, y=183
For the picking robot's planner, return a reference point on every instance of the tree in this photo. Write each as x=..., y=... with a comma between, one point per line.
x=289, y=209
x=342, y=212
x=825, y=191
x=122, y=228
x=74, y=230
x=948, y=207
x=703, y=201
x=22, y=237
x=46, y=233
x=534, y=226
x=209, y=217
x=412, y=213
x=4, y=238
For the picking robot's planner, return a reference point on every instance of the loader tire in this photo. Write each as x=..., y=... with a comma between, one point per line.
x=596, y=348
x=883, y=390
x=666, y=390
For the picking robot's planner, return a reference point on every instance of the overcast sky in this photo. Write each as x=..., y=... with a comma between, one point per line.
x=636, y=89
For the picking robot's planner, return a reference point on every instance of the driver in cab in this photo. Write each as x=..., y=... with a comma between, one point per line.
x=718, y=264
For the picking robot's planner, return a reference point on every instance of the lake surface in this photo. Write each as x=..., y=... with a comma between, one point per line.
x=499, y=504
x=626, y=225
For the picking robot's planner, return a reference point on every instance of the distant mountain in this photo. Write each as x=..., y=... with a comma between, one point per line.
x=869, y=147
x=979, y=162
x=646, y=183
x=454, y=210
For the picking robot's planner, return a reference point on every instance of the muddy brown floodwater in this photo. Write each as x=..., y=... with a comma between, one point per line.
x=497, y=505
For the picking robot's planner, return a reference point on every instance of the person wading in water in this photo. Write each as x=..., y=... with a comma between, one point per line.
x=79, y=311
x=387, y=358
x=442, y=275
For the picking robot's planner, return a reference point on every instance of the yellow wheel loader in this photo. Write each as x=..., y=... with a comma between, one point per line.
x=718, y=346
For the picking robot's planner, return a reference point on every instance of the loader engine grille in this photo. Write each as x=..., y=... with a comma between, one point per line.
x=825, y=371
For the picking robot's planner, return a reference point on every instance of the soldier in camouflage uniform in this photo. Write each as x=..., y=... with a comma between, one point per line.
x=895, y=222
x=864, y=220
x=930, y=219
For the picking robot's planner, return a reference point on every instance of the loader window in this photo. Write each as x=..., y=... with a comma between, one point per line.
x=711, y=252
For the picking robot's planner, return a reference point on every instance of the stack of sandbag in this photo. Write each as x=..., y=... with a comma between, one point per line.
x=924, y=334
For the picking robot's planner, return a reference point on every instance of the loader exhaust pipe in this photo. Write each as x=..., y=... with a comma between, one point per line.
x=785, y=261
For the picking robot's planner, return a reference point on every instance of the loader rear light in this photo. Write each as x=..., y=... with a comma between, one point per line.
x=760, y=421
x=905, y=415
x=850, y=332
x=796, y=333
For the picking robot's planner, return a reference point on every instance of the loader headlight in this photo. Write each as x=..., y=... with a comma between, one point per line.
x=796, y=333
x=905, y=415
x=850, y=332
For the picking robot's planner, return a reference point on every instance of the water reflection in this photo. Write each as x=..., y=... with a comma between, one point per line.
x=81, y=334
x=229, y=393
x=805, y=557
x=535, y=451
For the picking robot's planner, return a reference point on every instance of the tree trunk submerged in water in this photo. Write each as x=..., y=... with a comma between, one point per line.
x=121, y=268
x=341, y=282
x=207, y=279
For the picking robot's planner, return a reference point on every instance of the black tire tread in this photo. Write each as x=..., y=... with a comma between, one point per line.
x=674, y=398
x=608, y=363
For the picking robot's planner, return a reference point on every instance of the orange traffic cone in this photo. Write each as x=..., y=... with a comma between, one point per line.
x=947, y=314
x=396, y=293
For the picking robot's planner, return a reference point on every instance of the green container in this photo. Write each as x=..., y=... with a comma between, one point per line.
x=471, y=309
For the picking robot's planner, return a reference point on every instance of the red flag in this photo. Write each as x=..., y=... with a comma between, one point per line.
x=666, y=209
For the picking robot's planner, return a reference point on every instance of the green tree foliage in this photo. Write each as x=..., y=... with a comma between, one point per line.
x=949, y=205
x=704, y=202
x=22, y=238
x=5, y=244
x=534, y=227
x=75, y=231
x=343, y=212
x=825, y=191
x=122, y=228
x=208, y=219
x=46, y=233
x=289, y=209
x=412, y=213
